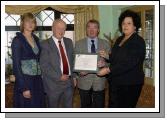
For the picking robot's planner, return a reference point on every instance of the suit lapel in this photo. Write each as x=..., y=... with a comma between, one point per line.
x=66, y=48
x=84, y=46
x=99, y=43
x=54, y=49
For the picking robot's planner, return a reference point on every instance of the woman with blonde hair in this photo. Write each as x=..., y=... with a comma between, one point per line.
x=28, y=88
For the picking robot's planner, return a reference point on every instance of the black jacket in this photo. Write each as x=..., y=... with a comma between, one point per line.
x=127, y=61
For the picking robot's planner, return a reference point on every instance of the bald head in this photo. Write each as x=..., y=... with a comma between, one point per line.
x=58, y=21
x=58, y=28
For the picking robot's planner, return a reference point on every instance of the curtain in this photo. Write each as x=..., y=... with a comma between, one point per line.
x=82, y=14
x=81, y=18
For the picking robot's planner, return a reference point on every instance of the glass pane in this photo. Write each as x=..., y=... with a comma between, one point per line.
x=42, y=16
x=70, y=34
x=39, y=22
x=148, y=36
x=45, y=18
x=10, y=36
x=63, y=17
x=11, y=20
x=18, y=22
x=52, y=16
x=68, y=18
x=48, y=12
x=15, y=17
x=43, y=35
x=6, y=55
x=48, y=22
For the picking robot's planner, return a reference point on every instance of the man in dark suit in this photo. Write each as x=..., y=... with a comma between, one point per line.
x=56, y=64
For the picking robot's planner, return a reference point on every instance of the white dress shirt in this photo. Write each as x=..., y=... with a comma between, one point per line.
x=62, y=43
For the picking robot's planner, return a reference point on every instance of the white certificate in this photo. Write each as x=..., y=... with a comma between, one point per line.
x=86, y=62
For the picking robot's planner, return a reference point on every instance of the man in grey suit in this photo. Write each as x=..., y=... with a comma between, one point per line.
x=56, y=63
x=91, y=87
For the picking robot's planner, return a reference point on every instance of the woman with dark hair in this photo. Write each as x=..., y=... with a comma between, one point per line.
x=28, y=88
x=126, y=76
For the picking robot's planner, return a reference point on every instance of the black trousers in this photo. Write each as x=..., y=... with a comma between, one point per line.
x=92, y=99
x=124, y=96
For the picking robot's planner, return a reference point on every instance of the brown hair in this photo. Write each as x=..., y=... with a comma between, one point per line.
x=24, y=17
x=95, y=22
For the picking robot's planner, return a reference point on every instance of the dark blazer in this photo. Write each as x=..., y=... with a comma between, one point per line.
x=127, y=61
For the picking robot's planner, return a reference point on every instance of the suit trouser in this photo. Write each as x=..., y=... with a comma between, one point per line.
x=61, y=98
x=124, y=96
x=90, y=98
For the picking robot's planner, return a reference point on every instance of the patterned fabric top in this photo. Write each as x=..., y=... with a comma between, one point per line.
x=30, y=67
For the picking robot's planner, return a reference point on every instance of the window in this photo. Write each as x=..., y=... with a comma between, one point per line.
x=44, y=20
x=68, y=18
x=149, y=42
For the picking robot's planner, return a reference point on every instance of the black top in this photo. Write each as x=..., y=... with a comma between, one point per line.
x=127, y=61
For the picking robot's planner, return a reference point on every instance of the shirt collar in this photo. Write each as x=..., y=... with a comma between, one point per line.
x=56, y=40
x=95, y=39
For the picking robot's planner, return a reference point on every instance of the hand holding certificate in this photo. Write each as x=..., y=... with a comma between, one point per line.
x=103, y=71
x=86, y=62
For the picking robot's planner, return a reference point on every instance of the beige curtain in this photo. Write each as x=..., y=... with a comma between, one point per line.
x=81, y=18
x=83, y=13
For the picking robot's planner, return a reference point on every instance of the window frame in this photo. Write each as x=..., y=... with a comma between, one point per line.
x=57, y=15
